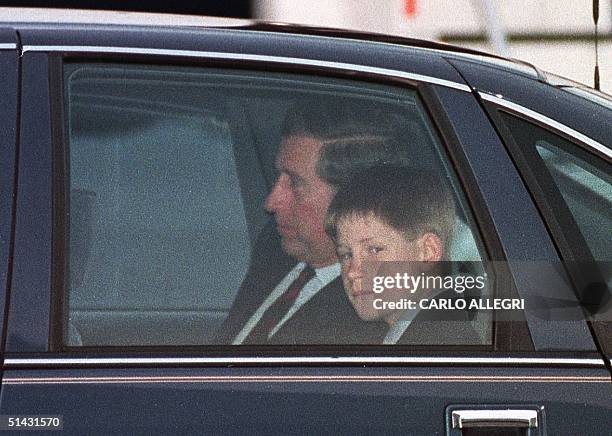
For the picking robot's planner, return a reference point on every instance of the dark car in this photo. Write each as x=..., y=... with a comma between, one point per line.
x=137, y=153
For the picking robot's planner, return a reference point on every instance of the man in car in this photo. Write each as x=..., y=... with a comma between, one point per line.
x=292, y=293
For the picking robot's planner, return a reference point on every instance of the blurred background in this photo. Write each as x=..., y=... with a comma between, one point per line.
x=556, y=35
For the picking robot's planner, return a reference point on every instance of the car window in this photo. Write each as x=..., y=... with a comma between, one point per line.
x=584, y=182
x=577, y=186
x=182, y=200
x=587, y=192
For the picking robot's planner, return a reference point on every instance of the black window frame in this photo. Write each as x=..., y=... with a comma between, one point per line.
x=504, y=339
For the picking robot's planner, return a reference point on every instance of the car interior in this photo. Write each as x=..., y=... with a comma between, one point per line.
x=168, y=172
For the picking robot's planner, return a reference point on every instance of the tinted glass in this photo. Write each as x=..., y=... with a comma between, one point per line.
x=584, y=182
x=588, y=193
x=578, y=186
x=171, y=240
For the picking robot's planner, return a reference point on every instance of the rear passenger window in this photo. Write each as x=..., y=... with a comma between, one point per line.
x=578, y=186
x=584, y=182
x=588, y=194
x=197, y=200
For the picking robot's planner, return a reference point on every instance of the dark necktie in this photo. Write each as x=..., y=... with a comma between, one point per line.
x=276, y=312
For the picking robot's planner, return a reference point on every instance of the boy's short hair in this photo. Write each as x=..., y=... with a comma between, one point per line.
x=412, y=201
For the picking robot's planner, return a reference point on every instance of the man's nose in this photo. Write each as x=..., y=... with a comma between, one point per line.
x=277, y=196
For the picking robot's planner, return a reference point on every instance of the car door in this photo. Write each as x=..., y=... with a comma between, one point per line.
x=111, y=170
x=570, y=179
x=569, y=173
x=8, y=142
x=577, y=181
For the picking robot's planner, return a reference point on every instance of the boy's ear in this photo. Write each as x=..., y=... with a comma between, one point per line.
x=432, y=247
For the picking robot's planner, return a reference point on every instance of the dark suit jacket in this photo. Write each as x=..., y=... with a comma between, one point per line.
x=441, y=327
x=327, y=318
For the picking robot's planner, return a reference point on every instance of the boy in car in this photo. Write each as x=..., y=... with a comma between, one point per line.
x=396, y=222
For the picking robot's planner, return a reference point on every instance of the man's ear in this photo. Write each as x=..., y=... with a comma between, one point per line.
x=432, y=248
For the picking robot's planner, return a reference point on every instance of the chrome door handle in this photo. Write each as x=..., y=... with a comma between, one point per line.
x=495, y=418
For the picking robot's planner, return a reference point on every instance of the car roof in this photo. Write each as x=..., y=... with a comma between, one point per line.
x=54, y=16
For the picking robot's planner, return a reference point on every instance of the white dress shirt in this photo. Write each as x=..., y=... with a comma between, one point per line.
x=323, y=276
x=401, y=325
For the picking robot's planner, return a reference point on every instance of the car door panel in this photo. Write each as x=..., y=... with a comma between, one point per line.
x=576, y=214
x=348, y=400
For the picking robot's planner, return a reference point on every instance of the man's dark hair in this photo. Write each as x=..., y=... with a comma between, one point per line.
x=355, y=136
x=412, y=201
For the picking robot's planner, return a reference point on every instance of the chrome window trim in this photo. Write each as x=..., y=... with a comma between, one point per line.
x=341, y=66
x=8, y=46
x=475, y=361
x=24, y=379
x=582, y=138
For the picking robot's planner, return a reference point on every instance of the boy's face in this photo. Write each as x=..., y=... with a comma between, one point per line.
x=368, y=239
